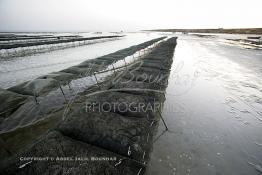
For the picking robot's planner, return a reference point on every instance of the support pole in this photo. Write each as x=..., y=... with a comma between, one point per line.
x=68, y=84
x=114, y=69
x=125, y=63
x=62, y=92
x=35, y=97
x=163, y=120
x=97, y=81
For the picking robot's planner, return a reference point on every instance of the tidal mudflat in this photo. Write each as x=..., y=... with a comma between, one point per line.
x=210, y=101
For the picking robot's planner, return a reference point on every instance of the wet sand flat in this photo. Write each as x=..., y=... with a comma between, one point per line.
x=213, y=110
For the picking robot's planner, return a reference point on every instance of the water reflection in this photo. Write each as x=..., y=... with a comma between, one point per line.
x=17, y=70
x=213, y=109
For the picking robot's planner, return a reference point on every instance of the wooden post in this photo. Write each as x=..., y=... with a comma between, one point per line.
x=68, y=83
x=35, y=97
x=125, y=63
x=114, y=69
x=163, y=120
x=134, y=58
x=62, y=92
x=97, y=81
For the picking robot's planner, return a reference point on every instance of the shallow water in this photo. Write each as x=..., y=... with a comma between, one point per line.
x=17, y=70
x=213, y=106
x=213, y=111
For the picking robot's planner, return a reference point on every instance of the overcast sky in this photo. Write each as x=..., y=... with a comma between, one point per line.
x=116, y=15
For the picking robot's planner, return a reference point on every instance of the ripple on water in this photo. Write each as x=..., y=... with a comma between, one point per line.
x=256, y=166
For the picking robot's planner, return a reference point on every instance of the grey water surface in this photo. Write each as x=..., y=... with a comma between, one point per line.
x=20, y=69
x=213, y=111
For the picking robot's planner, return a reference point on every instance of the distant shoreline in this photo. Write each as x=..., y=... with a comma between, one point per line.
x=220, y=30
